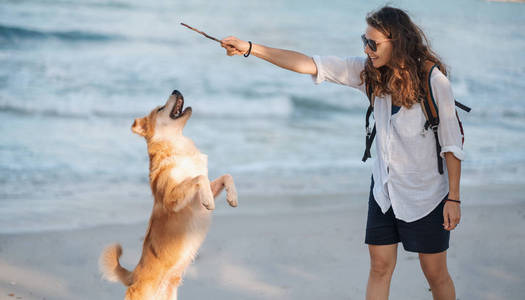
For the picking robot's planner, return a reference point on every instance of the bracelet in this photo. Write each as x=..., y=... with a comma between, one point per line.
x=249, y=50
x=457, y=201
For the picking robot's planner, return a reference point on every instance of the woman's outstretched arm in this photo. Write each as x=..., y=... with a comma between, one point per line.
x=287, y=59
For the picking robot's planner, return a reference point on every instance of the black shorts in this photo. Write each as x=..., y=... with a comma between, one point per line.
x=425, y=235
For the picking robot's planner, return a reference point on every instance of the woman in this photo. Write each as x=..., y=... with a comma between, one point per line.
x=410, y=202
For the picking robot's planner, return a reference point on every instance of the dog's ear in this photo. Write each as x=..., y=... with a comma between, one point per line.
x=140, y=126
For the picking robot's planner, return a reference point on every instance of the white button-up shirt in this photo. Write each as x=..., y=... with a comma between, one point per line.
x=405, y=171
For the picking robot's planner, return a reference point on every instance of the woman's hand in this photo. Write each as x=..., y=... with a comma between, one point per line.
x=234, y=46
x=451, y=215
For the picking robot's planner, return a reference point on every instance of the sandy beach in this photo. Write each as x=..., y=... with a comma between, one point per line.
x=283, y=248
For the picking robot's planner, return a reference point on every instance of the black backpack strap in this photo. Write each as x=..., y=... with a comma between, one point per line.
x=370, y=133
x=430, y=109
x=462, y=106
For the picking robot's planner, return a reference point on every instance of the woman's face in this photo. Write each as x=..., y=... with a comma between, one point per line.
x=383, y=53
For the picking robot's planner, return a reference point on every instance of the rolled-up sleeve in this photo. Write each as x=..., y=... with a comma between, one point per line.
x=449, y=131
x=338, y=70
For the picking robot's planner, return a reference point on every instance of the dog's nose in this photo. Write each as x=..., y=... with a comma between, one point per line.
x=177, y=94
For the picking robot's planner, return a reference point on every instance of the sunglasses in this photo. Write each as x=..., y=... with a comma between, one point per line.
x=371, y=43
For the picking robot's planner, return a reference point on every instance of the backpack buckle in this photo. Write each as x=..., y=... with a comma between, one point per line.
x=423, y=132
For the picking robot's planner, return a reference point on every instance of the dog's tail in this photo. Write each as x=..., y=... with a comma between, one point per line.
x=110, y=266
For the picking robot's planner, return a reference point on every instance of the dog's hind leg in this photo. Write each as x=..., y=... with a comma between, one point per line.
x=174, y=285
x=180, y=195
x=225, y=181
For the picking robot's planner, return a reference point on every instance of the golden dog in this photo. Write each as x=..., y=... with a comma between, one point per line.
x=183, y=199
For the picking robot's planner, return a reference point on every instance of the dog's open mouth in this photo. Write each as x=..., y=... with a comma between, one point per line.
x=177, y=108
x=177, y=112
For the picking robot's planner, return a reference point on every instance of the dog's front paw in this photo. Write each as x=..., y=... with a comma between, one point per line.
x=231, y=193
x=206, y=199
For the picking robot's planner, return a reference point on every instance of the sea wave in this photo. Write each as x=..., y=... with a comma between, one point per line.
x=234, y=108
x=315, y=105
x=238, y=108
x=64, y=112
x=13, y=34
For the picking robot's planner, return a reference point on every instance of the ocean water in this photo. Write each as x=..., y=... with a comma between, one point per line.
x=76, y=73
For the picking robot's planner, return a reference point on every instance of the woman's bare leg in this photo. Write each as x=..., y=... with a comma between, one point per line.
x=434, y=267
x=382, y=263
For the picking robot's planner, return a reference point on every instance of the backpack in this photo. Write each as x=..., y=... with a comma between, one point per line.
x=430, y=110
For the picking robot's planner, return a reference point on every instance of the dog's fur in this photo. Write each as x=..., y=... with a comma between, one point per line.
x=183, y=200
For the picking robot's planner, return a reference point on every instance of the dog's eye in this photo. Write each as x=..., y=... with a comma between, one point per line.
x=160, y=109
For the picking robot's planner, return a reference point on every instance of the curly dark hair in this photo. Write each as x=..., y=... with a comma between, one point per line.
x=403, y=77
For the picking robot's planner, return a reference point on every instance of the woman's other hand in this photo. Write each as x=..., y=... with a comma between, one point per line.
x=451, y=215
x=234, y=46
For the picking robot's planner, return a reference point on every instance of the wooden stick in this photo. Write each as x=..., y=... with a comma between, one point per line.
x=208, y=36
